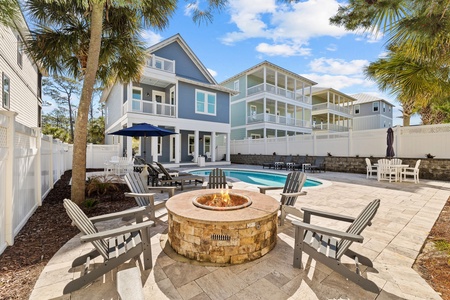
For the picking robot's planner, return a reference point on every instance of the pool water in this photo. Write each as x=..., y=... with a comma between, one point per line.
x=256, y=178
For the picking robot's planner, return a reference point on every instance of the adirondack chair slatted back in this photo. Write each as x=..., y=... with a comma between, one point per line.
x=136, y=185
x=294, y=183
x=161, y=167
x=85, y=225
x=358, y=225
x=217, y=179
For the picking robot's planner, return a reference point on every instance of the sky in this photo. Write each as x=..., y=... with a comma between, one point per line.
x=297, y=37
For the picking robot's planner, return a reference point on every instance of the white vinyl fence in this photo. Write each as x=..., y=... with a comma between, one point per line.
x=25, y=153
x=409, y=142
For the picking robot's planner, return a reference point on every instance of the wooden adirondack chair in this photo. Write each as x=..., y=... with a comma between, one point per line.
x=327, y=245
x=180, y=179
x=217, y=180
x=142, y=195
x=291, y=190
x=116, y=246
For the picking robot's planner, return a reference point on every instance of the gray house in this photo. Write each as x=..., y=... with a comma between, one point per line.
x=370, y=112
x=175, y=92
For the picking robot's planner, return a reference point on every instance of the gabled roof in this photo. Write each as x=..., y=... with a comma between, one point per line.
x=178, y=39
x=366, y=98
x=271, y=65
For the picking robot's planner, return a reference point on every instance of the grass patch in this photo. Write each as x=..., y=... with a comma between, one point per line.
x=442, y=245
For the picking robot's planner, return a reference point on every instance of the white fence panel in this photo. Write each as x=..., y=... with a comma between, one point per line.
x=46, y=165
x=370, y=143
x=417, y=141
x=3, y=169
x=301, y=145
x=334, y=143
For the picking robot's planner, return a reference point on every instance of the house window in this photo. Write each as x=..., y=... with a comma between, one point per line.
x=159, y=145
x=375, y=106
x=19, y=51
x=205, y=102
x=255, y=136
x=5, y=91
x=384, y=107
x=172, y=95
x=236, y=85
x=137, y=99
x=207, y=144
x=357, y=108
x=191, y=144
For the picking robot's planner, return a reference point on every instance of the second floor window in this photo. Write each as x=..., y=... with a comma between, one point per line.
x=6, y=86
x=205, y=102
x=384, y=107
x=376, y=106
x=19, y=51
x=357, y=108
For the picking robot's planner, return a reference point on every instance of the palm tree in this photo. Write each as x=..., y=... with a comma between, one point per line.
x=9, y=12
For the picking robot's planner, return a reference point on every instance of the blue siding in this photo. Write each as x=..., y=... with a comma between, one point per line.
x=184, y=66
x=186, y=104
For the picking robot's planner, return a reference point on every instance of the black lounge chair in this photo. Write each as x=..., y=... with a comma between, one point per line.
x=271, y=165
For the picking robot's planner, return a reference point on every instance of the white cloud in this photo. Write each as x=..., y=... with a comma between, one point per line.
x=282, y=50
x=332, y=47
x=338, y=66
x=338, y=82
x=190, y=7
x=151, y=37
x=289, y=27
x=212, y=72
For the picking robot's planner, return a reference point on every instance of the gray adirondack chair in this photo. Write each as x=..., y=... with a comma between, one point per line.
x=180, y=179
x=291, y=190
x=327, y=245
x=217, y=180
x=142, y=195
x=116, y=246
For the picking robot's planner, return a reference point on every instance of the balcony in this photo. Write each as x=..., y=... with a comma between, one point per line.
x=276, y=119
x=150, y=107
x=331, y=107
x=159, y=63
x=329, y=127
x=266, y=87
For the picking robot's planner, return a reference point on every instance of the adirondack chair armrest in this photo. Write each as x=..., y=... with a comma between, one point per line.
x=169, y=189
x=302, y=193
x=126, y=213
x=263, y=189
x=139, y=194
x=309, y=211
x=329, y=231
x=205, y=185
x=115, y=232
x=230, y=185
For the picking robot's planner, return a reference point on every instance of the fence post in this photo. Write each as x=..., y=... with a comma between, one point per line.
x=398, y=141
x=314, y=143
x=287, y=145
x=37, y=168
x=350, y=142
x=9, y=182
x=50, y=177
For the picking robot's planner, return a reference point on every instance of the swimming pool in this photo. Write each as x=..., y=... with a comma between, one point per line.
x=256, y=177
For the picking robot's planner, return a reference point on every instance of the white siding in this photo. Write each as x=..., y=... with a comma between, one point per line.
x=24, y=80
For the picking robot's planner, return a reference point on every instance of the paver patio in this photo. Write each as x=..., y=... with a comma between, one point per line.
x=406, y=215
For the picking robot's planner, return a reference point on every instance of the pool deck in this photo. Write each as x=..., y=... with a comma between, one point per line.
x=404, y=219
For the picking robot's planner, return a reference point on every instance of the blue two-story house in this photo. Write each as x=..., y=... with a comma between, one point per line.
x=175, y=92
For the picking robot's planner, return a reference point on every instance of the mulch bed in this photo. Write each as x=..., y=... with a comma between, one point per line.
x=49, y=229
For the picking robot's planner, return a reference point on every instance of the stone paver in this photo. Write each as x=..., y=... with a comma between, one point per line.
x=406, y=214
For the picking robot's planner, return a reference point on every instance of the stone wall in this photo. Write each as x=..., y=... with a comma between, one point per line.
x=437, y=169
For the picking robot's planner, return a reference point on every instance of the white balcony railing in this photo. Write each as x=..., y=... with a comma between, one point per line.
x=329, y=127
x=151, y=107
x=332, y=107
x=277, y=91
x=160, y=63
x=276, y=119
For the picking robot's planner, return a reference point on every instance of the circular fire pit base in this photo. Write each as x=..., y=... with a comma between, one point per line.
x=222, y=237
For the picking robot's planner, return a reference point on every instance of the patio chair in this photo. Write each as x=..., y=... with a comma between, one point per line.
x=327, y=245
x=297, y=162
x=396, y=161
x=180, y=179
x=141, y=193
x=385, y=171
x=370, y=168
x=217, y=180
x=116, y=246
x=317, y=165
x=291, y=190
x=271, y=164
x=414, y=172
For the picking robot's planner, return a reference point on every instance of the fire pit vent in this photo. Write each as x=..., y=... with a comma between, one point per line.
x=220, y=237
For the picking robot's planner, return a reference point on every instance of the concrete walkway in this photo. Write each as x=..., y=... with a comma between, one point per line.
x=404, y=219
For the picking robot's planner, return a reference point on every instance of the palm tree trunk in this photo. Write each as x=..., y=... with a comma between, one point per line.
x=80, y=141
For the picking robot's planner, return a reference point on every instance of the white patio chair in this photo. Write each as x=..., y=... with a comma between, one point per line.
x=371, y=169
x=396, y=161
x=411, y=172
x=385, y=171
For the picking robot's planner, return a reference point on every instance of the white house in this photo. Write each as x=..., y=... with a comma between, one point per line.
x=370, y=112
x=20, y=76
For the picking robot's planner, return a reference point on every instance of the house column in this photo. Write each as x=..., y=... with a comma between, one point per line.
x=129, y=142
x=213, y=146
x=227, y=138
x=130, y=96
x=177, y=145
x=196, y=145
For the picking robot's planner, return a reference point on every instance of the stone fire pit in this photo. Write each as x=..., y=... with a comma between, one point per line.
x=228, y=235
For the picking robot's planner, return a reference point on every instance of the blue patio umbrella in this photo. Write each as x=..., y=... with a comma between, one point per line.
x=143, y=130
x=390, y=141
